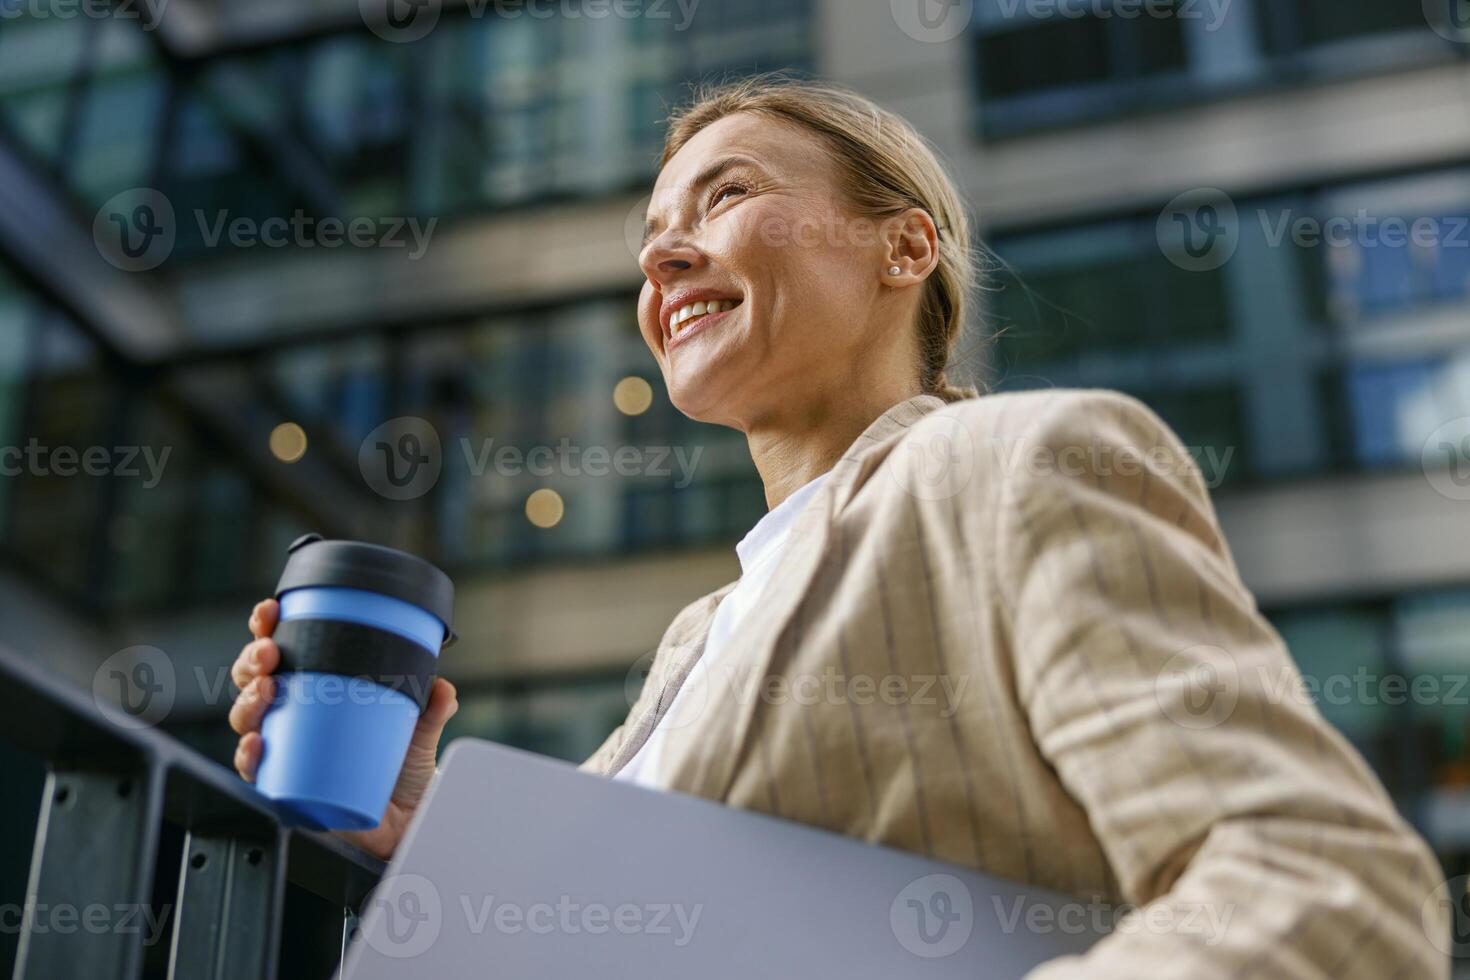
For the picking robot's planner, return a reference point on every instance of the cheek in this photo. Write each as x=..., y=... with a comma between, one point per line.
x=774, y=249
x=765, y=233
x=648, y=322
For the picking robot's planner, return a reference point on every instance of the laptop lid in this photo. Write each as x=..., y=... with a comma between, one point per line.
x=521, y=866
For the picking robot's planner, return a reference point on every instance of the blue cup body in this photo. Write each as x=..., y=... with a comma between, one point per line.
x=334, y=745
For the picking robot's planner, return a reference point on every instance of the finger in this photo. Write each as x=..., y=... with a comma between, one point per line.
x=443, y=703
x=247, y=755
x=249, y=708
x=263, y=618
x=258, y=657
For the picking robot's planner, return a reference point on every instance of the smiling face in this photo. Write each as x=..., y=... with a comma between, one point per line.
x=748, y=216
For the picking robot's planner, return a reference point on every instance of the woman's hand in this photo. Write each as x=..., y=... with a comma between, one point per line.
x=252, y=675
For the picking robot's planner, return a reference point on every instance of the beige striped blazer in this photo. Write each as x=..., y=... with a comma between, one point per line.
x=1007, y=633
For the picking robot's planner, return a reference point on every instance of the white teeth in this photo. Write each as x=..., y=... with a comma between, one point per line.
x=693, y=310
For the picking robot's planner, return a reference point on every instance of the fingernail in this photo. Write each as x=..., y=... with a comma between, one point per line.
x=254, y=658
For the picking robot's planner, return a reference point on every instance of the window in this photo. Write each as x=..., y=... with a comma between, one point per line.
x=38, y=59
x=1333, y=647
x=1382, y=268
x=1208, y=422
x=71, y=405
x=1431, y=629
x=1067, y=52
x=1084, y=61
x=1119, y=294
x=495, y=111
x=1294, y=25
x=1039, y=72
x=1396, y=406
x=567, y=718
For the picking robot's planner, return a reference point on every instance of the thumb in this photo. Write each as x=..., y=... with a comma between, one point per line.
x=418, y=764
x=442, y=706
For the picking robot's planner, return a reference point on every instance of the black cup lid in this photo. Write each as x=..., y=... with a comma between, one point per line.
x=315, y=561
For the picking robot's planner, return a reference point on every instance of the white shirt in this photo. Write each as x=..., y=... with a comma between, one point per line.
x=759, y=553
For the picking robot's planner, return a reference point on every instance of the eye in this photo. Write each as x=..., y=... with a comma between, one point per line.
x=725, y=191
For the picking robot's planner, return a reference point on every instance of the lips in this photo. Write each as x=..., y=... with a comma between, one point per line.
x=697, y=325
x=683, y=312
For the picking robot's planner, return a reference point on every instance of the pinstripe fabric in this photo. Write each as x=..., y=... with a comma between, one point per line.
x=1009, y=634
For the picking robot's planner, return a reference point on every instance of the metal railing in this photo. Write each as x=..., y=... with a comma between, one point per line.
x=120, y=808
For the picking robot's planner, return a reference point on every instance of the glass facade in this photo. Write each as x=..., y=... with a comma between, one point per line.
x=1392, y=677
x=1350, y=359
x=494, y=110
x=1070, y=62
x=167, y=516
x=489, y=111
x=519, y=404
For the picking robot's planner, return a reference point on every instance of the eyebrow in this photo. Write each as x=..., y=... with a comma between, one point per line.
x=704, y=178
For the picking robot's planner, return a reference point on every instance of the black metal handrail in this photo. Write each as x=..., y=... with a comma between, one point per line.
x=255, y=897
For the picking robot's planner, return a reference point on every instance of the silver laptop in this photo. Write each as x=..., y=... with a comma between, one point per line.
x=520, y=866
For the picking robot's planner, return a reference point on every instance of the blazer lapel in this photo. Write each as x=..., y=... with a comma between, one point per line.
x=679, y=650
x=813, y=527
x=805, y=549
x=684, y=643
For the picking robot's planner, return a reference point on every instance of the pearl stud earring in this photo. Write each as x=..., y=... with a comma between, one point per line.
x=895, y=270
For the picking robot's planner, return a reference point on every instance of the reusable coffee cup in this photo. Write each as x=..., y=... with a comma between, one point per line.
x=360, y=631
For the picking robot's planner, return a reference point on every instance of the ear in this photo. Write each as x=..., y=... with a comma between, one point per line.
x=910, y=244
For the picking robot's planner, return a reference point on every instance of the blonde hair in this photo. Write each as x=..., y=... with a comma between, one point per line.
x=884, y=168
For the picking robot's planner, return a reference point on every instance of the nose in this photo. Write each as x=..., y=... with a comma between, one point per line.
x=667, y=255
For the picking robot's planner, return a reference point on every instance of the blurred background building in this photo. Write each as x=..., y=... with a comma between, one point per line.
x=1149, y=183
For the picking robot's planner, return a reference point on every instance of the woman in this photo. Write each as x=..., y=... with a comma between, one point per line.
x=1002, y=631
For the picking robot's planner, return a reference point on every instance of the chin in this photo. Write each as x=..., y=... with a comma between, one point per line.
x=687, y=398
x=697, y=396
